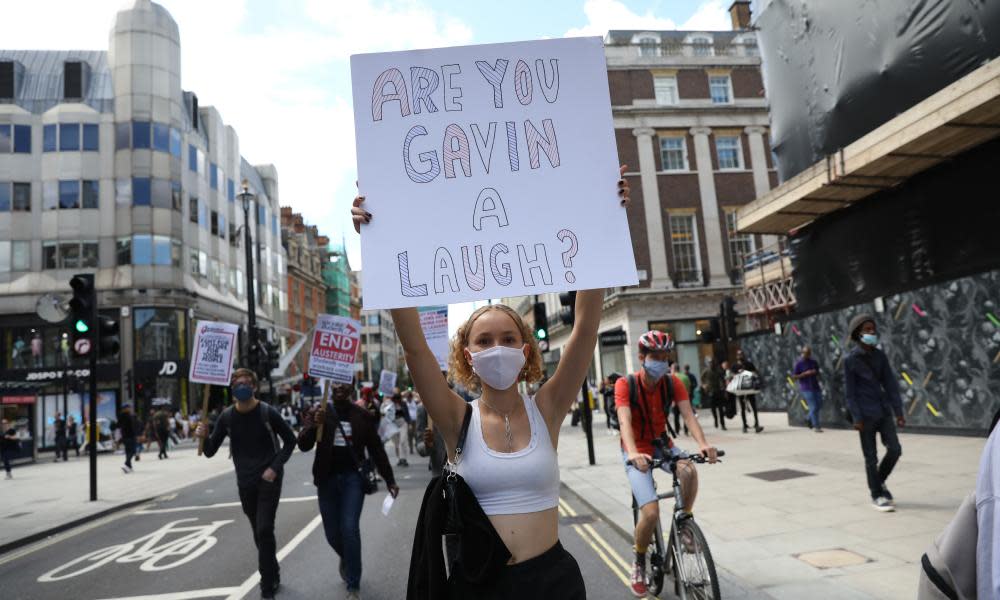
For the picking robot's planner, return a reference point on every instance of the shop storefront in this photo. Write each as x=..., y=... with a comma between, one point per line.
x=689, y=350
x=160, y=361
x=613, y=346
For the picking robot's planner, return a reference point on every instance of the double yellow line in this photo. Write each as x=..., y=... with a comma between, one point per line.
x=601, y=547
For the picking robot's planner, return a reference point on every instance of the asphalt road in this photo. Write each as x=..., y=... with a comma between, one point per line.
x=196, y=543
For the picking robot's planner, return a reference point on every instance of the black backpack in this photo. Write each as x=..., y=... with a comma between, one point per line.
x=633, y=401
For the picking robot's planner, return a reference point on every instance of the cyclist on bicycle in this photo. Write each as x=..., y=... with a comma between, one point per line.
x=641, y=401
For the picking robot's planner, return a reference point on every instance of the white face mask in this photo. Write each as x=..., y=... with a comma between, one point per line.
x=499, y=366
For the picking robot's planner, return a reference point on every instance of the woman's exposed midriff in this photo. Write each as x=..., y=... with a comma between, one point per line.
x=527, y=535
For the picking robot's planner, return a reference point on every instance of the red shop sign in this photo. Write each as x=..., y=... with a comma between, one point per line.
x=17, y=399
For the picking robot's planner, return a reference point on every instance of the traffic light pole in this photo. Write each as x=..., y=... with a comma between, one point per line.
x=92, y=406
x=588, y=422
x=245, y=197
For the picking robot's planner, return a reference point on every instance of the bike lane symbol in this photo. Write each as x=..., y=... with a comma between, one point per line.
x=193, y=541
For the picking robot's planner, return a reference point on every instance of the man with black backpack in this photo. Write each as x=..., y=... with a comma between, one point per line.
x=642, y=401
x=253, y=428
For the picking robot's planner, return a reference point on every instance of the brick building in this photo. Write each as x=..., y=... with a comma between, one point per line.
x=307, y=254
x=691, y=123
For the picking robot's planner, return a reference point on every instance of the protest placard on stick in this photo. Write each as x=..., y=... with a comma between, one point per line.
x=212, y=364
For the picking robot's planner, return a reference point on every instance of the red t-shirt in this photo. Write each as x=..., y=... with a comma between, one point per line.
x=651, y=401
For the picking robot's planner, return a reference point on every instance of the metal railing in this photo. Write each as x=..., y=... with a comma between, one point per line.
x=767, y=279
x=695, y=50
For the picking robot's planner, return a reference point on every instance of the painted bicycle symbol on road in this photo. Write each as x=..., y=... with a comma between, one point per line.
x=154, y=552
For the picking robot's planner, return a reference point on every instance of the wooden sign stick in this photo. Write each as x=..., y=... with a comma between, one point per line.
x=204, y=416
x=319, y=426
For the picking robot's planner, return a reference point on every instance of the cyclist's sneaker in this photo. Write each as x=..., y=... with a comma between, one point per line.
x=639, y=580
x=887, y=495
x=883, y=504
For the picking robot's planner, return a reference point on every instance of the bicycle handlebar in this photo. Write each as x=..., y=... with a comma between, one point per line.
x=696, y=458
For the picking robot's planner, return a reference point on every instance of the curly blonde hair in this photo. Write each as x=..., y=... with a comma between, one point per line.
x=459, y=370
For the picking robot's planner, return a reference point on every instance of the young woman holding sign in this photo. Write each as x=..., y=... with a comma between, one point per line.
x=509, y=457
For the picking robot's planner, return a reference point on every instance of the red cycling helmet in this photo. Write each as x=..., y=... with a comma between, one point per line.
x=656, y=341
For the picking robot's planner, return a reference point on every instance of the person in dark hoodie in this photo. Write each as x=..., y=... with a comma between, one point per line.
x=872, y=395
x=348, y=431
x=253, y=427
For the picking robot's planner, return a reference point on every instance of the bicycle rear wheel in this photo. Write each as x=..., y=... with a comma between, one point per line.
x=693, y=567
x=657, y=563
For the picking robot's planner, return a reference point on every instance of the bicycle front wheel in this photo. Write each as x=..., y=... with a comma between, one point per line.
x=693, y=567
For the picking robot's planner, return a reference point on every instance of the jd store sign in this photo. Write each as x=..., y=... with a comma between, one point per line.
x=169, y=369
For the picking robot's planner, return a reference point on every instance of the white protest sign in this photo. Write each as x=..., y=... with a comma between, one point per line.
x=214, y=345
x=386, y=382
x=434, y=322
x=490, y=171
x=334, y=347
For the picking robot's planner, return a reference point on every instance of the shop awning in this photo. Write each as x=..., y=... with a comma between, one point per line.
x=959, y=117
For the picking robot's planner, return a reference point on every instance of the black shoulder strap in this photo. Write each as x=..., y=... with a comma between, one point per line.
x=464, y=431
x=667, y=383
x=349, y=444
x=265, y=416
x=633, y=401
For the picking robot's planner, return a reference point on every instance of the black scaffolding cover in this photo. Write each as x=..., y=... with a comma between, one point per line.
x=836, y=69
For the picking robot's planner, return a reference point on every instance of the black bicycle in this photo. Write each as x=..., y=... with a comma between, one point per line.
x=686, y=554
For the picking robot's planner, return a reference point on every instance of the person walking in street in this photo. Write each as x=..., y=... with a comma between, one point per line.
x=412, y=402
x=161, y=429
x=806, y=371
x=128, y=427
x=674, y=408
x=508, y=461
x=9, y=444
x=713, y=389
x=607, y=392
x=348, y=434
x=743, y=364
x=72, y=435
x=641, y=400
x=391, y=428
x=254, y=429
x=872, y=395
x=62, y=443
x=430, y=444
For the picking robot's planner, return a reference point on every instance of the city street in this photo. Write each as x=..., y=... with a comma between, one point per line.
x=195, y=543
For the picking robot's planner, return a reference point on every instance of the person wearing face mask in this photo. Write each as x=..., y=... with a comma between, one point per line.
x=872, y=395
x=348, y=433
x=642, y=401
x=253, y=428
x=510, y=548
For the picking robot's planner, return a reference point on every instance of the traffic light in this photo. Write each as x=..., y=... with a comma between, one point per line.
x=568, y=313
x=541, y=321
x=729, y=315
x=82, y=307
x=273, y=352
x=107, y=330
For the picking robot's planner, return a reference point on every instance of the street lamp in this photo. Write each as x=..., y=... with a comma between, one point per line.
x=245, y=197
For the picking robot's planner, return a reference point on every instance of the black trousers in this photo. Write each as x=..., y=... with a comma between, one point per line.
x=877, y=472
x=718, y=410
x=62, y=448
x=552, y=574
x=129, y=444
x=260, y=505
x=752, y=401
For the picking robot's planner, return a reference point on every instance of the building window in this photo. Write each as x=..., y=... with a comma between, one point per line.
x=175, y=143
x=142, y=250
x=89, y=255
x=274, y=225
x=5, y=140
x=192, y=158
x=213, y=271
x=72, y=80
x=203, y=215
x=141, y=191
x=213, y=176
x=222, y=226
x=215, y=223
x=230, y=190
x=193, y=209
x=140, y=134
x=673, y=154
x=649, y=46
x=69, y=137
x=701, y=46
x=261, y=215
x=69, y=194
x=123, y=192
x=666, y=90
x=162, y=194
x=161, y=137
x=22, y=139
x=203, y=264
x=719, y=88
x=201, y=162
x=50, y=255
x=193, y=262
x=684, y=244
x=741, y=245
x=159, y=334
x=5, y=196
x=750, y=47
x=90, y=193
x=69, y=255
x=21, y=197
x=123, y=251
x=91, y=137
x=729, y=152
x=123, y=138
x=161, y=251
x=20, y=256
x=49, y=135
x=175, y=195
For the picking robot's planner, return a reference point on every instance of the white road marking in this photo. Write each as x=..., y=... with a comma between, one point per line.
x=208, y=593
x=252, y=581
x=161, y=511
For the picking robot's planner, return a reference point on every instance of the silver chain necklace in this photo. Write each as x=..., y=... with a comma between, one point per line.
x=506, y=423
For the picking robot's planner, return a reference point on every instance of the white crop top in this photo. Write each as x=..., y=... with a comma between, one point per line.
x=510, y=483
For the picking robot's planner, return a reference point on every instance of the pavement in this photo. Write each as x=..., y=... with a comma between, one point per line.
x=787, y=513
